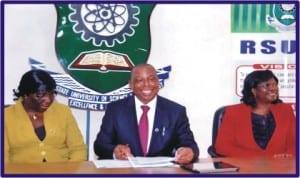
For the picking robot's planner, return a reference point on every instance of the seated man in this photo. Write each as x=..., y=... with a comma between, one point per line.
x=167, y=134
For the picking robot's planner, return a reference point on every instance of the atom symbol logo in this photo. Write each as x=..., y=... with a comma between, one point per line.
x=106, y=19
x=104, y=23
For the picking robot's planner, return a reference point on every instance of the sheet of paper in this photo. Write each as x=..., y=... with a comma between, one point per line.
x=151, y=161
x=111, y=163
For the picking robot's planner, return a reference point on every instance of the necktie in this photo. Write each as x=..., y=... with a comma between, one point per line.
x=143, y=128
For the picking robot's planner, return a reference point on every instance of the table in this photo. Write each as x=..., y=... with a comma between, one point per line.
x=263, y=165
x=247, y=166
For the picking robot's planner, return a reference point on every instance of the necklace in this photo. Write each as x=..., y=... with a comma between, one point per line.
x=34, y=117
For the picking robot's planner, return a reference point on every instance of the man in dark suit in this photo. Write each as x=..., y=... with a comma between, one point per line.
x=169, y=132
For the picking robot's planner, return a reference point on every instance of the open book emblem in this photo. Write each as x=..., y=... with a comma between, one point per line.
x=101, y=61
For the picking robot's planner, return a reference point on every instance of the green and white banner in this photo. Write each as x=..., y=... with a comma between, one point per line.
x=263, y=37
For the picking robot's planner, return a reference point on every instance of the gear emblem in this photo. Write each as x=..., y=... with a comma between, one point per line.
x=104, y=23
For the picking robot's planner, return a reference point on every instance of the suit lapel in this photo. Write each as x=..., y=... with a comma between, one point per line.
x=160, y=125
x=133, y=127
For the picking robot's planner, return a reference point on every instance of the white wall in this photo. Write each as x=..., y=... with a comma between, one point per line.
x=193, y=39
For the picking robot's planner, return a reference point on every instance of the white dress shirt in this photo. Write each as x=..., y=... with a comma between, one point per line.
x=151, y=114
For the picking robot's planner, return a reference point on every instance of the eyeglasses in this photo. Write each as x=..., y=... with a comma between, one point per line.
x=268, y=85
x=40, y=95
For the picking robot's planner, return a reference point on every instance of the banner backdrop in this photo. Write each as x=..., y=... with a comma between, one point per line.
x=263, y=37
x=202, y=53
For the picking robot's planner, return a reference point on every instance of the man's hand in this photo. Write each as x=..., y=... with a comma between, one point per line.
x=122, y=151
x=184, y=155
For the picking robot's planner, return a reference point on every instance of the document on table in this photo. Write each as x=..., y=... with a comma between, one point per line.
x=160, y=161
x=135, y=162
x=112, y=163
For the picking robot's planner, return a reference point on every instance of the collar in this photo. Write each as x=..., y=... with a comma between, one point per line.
x=151, y=104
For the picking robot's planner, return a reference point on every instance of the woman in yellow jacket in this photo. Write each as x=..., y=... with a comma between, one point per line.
x=39, y=129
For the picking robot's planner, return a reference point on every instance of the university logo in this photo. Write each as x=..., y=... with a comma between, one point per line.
x=263, y=18
x=283, y=17
x=98, y=45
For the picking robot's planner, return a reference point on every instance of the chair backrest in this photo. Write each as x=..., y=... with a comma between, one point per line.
x=217, y=120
